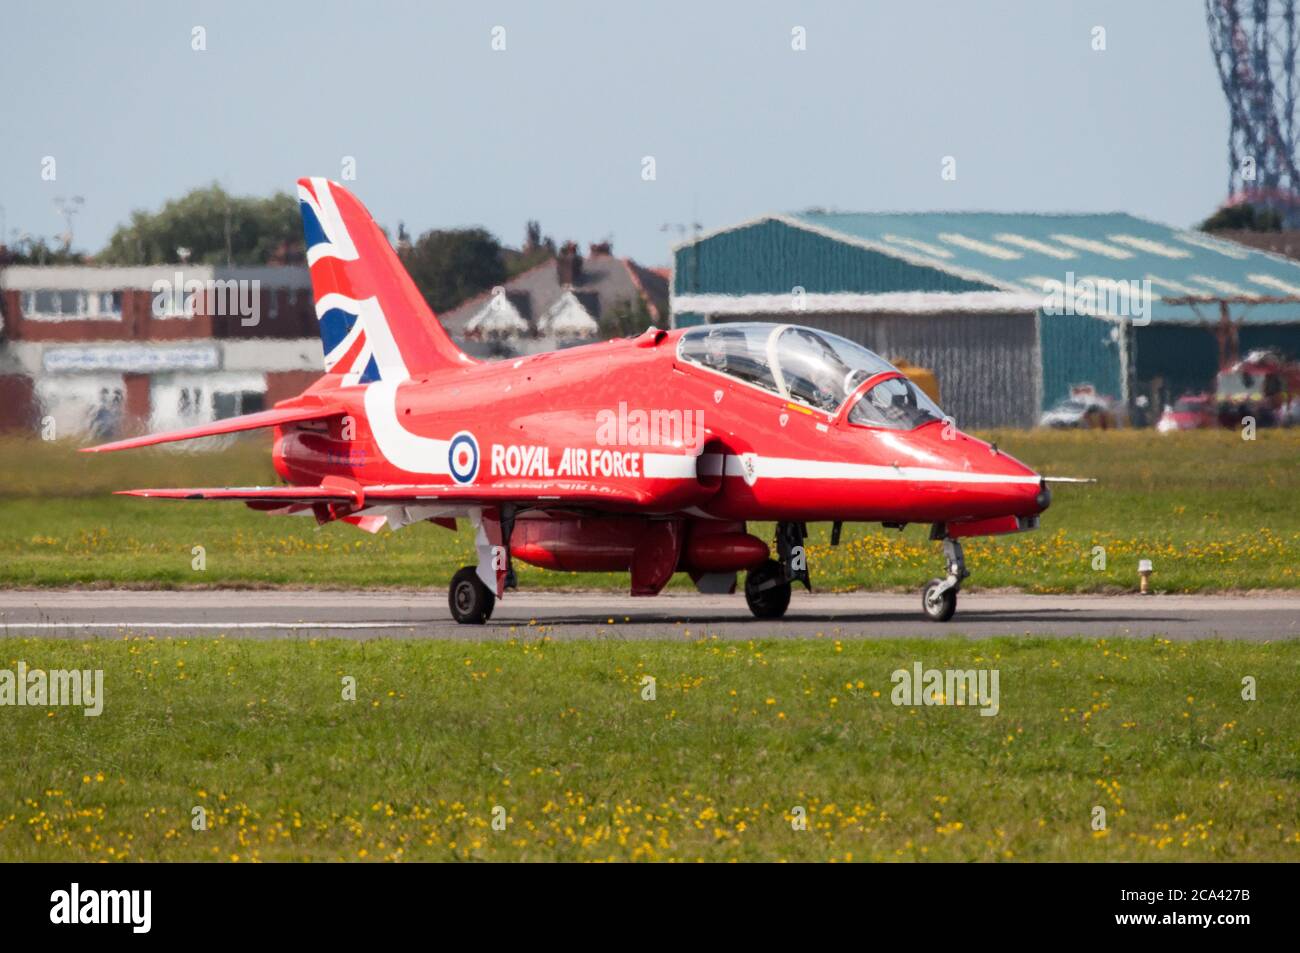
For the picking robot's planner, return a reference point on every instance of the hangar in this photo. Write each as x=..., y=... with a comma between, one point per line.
x=1010, y=310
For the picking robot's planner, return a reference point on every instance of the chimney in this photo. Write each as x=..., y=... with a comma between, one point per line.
x=596, y=249
x=568, y=265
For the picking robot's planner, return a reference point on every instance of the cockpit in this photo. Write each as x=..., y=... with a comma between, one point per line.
x=817, y=368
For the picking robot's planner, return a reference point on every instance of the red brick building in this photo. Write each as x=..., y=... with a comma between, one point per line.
x=111, y=350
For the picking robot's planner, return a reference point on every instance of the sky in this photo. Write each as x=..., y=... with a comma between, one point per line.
x=447, y=131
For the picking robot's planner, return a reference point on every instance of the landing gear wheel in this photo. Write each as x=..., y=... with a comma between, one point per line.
x=938, y=606
x=767, y=590
x=471, y=602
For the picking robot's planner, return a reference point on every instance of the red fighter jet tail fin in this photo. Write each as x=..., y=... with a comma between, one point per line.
x=374, y=323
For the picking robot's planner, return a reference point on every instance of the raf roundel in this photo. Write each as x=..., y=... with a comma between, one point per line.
x=462, y=457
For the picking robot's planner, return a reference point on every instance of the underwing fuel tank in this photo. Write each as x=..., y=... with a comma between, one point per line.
x=610, y=544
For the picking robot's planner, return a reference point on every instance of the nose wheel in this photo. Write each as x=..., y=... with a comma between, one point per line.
x=470, y=601
x=937, y=602
x=939, y=598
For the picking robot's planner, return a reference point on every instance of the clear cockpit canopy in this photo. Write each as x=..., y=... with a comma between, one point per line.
x=817, y=368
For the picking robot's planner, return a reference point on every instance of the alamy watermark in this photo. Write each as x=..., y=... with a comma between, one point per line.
x=649, y=428
x=218, y=298
x=130, y=907
x=39, y=688
x=932, y=686
x=1098, y=297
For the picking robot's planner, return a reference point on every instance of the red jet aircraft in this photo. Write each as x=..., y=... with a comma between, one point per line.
x=647, y=455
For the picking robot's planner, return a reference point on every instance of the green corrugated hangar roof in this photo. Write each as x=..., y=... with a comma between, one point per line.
x=1019, y=252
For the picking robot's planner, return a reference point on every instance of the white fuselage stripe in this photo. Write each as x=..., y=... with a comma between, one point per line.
x=669, y=466
x=786, y=468
x=400, y=447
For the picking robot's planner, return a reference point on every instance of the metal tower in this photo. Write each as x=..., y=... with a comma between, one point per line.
x=1254, y=43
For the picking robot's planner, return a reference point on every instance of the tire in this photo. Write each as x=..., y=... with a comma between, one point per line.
x=767, y=591
x=470, y=601
x=942, y=609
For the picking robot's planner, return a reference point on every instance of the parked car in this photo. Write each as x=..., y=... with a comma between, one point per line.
x=1084, y=408
x=1189, y=412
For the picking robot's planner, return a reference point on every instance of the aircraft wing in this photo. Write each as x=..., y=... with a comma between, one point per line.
x=249, y=494
x=559, y=492
x=264, y=418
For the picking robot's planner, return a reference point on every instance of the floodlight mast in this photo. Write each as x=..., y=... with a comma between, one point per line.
x=1254, y=44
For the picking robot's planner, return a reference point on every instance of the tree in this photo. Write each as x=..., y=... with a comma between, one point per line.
x=1244, y=216
x=452, y=266
x=625, y=318
x=216, y=227
x=38, y=251
x=536, y=249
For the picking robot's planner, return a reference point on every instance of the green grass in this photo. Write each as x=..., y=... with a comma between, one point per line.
x=1213, y=511
x=738, y=735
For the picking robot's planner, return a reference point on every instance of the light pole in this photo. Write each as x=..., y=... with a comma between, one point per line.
x=68, y=209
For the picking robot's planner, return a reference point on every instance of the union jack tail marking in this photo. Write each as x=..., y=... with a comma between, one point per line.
x=374, y=323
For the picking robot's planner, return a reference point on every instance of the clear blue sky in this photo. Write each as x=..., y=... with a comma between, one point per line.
x=447, y=132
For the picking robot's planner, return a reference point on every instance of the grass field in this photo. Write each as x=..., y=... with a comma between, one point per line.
x=1213, y=512
x=558, y=736
x=739, y=735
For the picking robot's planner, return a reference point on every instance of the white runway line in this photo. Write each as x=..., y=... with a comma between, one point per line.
x=408, y=614
x=208, y=625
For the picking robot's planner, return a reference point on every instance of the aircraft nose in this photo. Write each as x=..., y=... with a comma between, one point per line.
x=996, y=483
x=1029, y=491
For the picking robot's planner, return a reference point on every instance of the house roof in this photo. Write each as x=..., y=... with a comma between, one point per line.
x=497, y=318
x=1189, y=271
x=569, y=316
x=604, y=282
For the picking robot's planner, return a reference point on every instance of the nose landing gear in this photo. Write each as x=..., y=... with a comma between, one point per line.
x=939, y=598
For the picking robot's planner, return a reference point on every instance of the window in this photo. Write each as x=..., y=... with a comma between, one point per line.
x=107, y=304
x=235, y=403
x=54, y=305
x=814, y=367
x=63, y=305
x=815, y=373
x=190, y=402
x=895, y=404
x=737, y=350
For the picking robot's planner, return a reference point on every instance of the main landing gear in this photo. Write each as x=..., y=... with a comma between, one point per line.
x=471, y=602
x=939, y=598
x=767, y=585
x=767, y=590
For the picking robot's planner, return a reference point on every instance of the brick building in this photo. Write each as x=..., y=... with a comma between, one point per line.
x=104, y=351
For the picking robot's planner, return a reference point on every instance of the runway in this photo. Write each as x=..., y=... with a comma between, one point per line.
x=302, y=614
